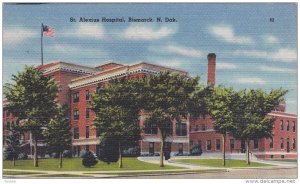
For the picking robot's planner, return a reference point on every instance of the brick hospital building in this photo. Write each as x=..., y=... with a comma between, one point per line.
x=77, y=83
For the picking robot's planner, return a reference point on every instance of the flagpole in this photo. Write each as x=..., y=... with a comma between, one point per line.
x=42, y=29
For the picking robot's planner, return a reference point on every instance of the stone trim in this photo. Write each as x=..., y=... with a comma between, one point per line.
x=69, y=68
x=143, y=68
x=282, y=115
x=273, y=153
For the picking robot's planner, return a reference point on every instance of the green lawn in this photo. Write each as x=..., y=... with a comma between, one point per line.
x=218, y=162
x=74, y=164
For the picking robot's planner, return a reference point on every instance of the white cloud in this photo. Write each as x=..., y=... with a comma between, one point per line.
x=276, y=69
x=225, y=66
x=251, y=80
x=64, y=48
x=18, y=35
x=283, y=54
x=147, y=33
x=185, y=51
x=88, y=30
x=227, y=34
x=270, y=39
x=175, y=63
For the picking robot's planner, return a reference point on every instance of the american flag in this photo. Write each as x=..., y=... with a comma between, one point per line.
x=48, y=31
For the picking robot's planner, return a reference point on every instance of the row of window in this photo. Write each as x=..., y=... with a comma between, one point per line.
x=181, y=129
x=167, y=147
x=218, y=144
x=255, y=144
x=76, y=96
x=287, y=144
x=8, y=124
x=287, y=125
x=76, y=113
x=203, y=127
x=76, y=132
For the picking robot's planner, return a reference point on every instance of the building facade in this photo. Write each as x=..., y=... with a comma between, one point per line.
x=77, y=84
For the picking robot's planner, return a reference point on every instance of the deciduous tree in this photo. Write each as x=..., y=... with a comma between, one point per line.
x=31, y=97
x=222, y=108
x=58, y=135
x=12, y=148
x=253, y=121
x=168, y=98
x=117, y=107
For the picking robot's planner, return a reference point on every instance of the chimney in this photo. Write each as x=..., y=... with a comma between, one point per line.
x=211, y=72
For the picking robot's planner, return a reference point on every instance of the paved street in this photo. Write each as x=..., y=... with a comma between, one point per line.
x=286, y=173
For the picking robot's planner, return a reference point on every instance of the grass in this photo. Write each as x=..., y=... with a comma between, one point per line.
x=218, y=162
x=20, y=173
x=74, y=164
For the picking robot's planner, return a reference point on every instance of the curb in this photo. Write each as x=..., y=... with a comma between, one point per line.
x=91, y=176
x=163, y=174
x=263, y=168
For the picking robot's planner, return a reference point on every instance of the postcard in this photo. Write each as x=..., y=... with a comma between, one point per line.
x=150, y=91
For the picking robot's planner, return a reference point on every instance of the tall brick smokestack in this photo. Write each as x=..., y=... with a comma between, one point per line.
x=211, y=72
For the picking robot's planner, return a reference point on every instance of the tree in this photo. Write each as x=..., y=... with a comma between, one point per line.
x=12, y=149
x=109, y=150
x=31, y=98
x=58, y=133
x=222, y=107
x=117, y=107
x=252, y=121
x=167, y=98
x=199, y=101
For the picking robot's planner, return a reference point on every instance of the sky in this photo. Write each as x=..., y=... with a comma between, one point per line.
x=255, y=44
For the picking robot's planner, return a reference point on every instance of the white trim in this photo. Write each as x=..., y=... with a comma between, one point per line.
x=282, y=115
x=203, y=131
x=172, y=140
x=130, y=69
x=69, y=68
x=88, y=142
x=273, y=153
x=96, y=79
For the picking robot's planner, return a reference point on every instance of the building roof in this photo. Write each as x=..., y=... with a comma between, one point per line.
x=69, y=67
x=119, y=71
x=283, y=114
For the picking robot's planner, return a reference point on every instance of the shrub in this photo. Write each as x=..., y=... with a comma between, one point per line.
x=83, y=153
x=132, y=152
x=22, y=156
x=195, y=150
x=55, y=155
x=6, y=156
x=67, y=154
x=108, y=150
x=89, y=159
